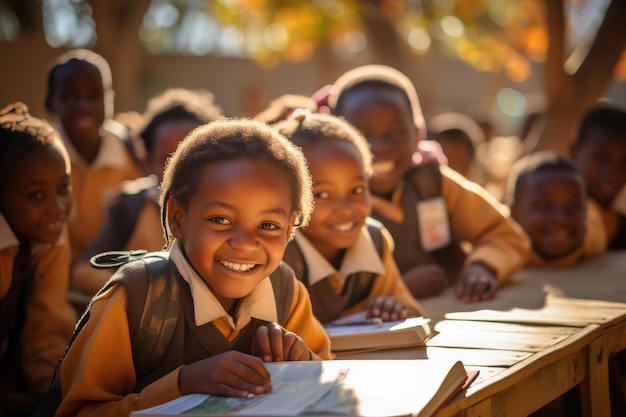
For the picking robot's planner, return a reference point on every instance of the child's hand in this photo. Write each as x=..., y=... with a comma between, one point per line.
x=231, y=374
x=389, y=309
x=425, y=280
x=275, y=344
x=476, y=283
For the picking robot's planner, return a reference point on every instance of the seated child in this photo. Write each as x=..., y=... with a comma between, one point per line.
x=80, y=96
x=460, y=137
x=36, y=321
x=599, y=150
x=382, y=103
x=335, y=255
x=548, y=198
x=231, y=195
x=133, y=218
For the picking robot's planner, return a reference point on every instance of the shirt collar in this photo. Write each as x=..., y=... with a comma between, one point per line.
x=392, y=209
x=7, y=237
x=109, y=154
x=362, y=257
x=259, y=303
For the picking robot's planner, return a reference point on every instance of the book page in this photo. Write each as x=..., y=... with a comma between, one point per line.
x=356, y=324
x=340, y=387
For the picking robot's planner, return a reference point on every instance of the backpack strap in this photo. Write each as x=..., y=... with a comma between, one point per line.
x=282, y=280
x=154, y=304
x=426, y=181
x=295, y=259
x=374, y=227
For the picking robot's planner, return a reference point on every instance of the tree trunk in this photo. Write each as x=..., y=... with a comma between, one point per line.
x=568, y=95
x=118, y=25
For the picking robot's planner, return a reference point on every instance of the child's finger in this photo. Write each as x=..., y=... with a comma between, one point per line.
x=263, y=344
x=276, y=341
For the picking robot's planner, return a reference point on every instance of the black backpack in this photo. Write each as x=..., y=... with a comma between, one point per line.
x=162, y=305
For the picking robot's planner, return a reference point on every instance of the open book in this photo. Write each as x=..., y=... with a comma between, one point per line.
x=368, y=388
x=356, y=333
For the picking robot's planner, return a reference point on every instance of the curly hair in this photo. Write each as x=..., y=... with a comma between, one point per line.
x=229, y=139
x=305, y=128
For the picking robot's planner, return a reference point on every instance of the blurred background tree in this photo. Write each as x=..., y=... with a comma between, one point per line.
x=578, y=44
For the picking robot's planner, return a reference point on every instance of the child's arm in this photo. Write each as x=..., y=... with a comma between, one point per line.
x=50, y=319
x=477, y=217
x=302, y=322
x=476, y=283
x=389, y=297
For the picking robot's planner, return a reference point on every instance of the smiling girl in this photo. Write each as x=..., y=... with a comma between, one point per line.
x=36, y=321
x=231, y=195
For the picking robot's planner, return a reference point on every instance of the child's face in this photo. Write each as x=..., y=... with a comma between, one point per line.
x=458, y=154
x=166, y=139
x=342, y=198
x=551, y=208
x=79, y=101
x=37, y=199
x=602, y=158
x=384, y=117
x=236, y=225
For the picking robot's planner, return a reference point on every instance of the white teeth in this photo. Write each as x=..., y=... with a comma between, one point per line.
x=54, y=226
x=237, y=267
x=382, y=167
x=344, y=227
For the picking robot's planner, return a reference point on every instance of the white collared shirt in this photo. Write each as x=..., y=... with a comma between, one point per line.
x=109, y=153
x=260, y=303
x=362, y=257
x=8, y=238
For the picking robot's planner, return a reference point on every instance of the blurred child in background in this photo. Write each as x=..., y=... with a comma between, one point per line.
x=133, y=219
x=80, y=96
x=548, y=198
x=36, y=321
x=599, y=150
x=430, y=214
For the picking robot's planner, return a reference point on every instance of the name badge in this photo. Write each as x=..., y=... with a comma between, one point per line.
x=432, y=217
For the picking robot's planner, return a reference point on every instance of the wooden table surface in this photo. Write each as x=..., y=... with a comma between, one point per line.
x=543, y=334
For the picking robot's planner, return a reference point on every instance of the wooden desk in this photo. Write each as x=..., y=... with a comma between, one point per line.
x=545, y=333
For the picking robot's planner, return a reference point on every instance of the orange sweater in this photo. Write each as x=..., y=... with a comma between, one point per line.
x=98, y=374
x=50, y=319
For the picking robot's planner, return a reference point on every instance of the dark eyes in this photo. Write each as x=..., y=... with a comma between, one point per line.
x=224, y=221
x=36, y=195
x=220, y=220
x=268, y=226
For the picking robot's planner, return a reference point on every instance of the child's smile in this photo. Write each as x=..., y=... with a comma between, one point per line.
x=342, y=199
x=236, y=224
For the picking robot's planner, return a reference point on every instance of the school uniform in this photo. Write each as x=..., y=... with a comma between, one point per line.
x=594, y=244
x=336, y=293
x=132, y=221
x=98, y=374
x=94, y=185
x=475, y=217
x=48, y=319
